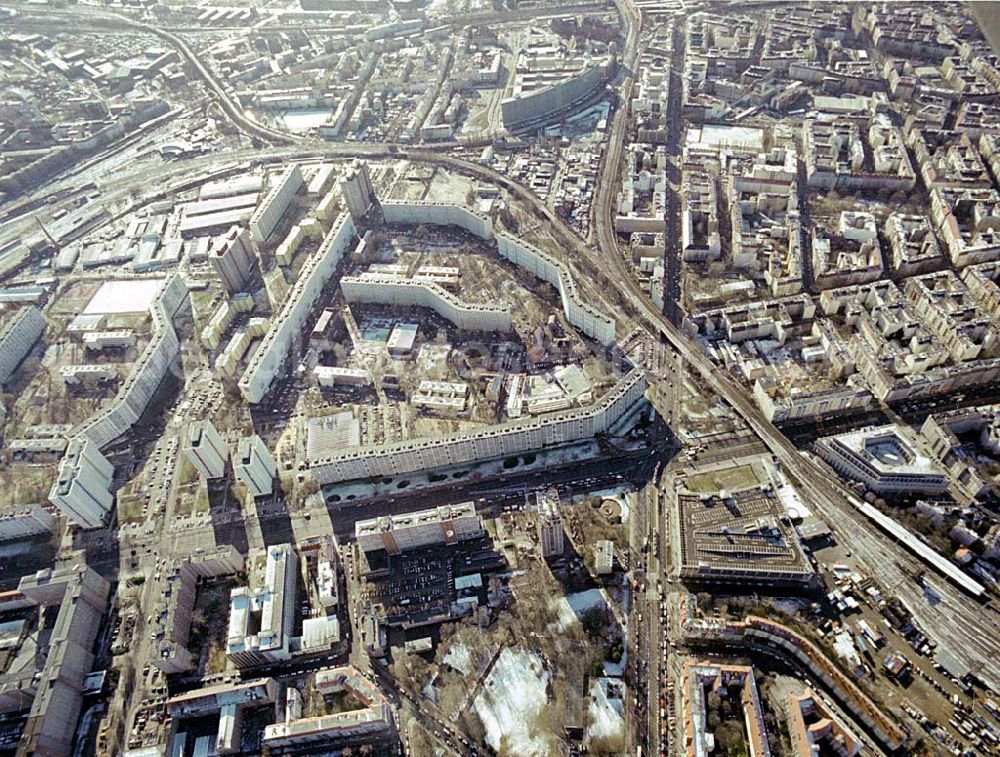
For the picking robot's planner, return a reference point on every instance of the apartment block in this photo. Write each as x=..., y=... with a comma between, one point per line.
x=551, y=535
x=233, y=259
x=275, y=204
x=254, y=466
x=18, y=335
x=205, y=448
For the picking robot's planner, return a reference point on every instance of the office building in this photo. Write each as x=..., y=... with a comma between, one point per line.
x=884, y=460
x=272, y=209
x=18, y=335
x=551, y=536
x=82, y=490
x=233, y=260
x=254, y=466
x=205, y=448
x=359, y=194
x=261, y=617
x=448, y=524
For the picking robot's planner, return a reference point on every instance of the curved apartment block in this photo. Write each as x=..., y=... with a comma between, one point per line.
x=389, y=290
x=554, y=99
x=495, y=441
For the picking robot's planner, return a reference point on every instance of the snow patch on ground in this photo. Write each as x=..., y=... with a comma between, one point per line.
x=460, y=658
x=607, y=710
x=572, y=606
x=511, y=698
x=616, y=669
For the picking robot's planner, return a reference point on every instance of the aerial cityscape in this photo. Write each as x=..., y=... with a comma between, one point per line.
x=499, y=377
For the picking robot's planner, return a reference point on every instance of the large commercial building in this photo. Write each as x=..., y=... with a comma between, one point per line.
x=269, y=213
x=551, y=536
x=261, y=617
x=389, y=290
x=17, y=336
x=205, y=448
x=254, y=466
x=492, y=442
x=448, y=524
x=884, y=460
x=740, y=537
x=290, y=321
x=81, y=491
x=233, y=259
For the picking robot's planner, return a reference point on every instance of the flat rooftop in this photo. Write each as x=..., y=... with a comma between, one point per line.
x=123, y=297
x=739, y=534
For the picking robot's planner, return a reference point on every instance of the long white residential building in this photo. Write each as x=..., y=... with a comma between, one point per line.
x=86, y=498
x=315, y=273
x=448, y=524
x=82, y=488
x=17, y=336
x=491, y=442
x=438, y=214
x=583, y=316
x=390, y=290
x=148, y=371
x=205, y=448
x=586, y=318
x=254, y=466
x=268, y=214
x=24, y=521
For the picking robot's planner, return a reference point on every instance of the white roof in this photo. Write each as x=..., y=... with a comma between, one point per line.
x=124, y=297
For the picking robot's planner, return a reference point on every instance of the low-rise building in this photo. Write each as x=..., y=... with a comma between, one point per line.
x=884, y=460
x=447, y=524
